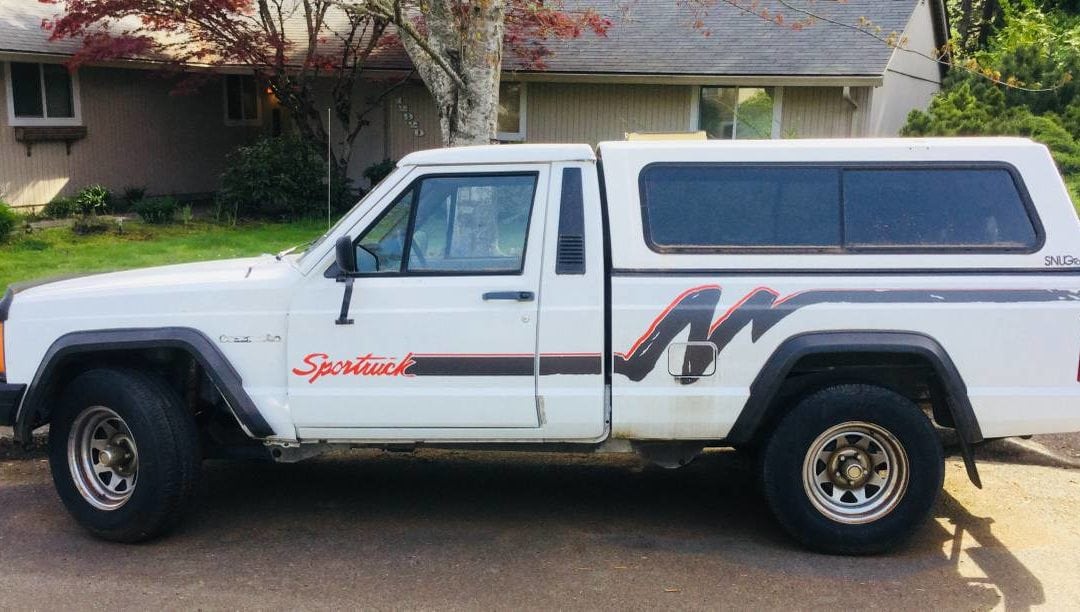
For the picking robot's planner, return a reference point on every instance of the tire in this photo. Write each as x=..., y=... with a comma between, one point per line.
x=883, y=470
x=124, y=454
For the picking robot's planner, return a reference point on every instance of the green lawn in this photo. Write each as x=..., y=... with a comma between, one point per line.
x=58, y=251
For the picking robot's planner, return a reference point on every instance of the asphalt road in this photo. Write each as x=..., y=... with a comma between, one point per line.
x=481, y=531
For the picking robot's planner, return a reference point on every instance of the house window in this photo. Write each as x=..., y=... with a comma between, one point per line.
x=42, y=94
x=242, y=105
x=512, y=98
x=739, y=113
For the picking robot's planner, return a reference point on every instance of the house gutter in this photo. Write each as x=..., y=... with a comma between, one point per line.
x=857, y=80
x=757, y=80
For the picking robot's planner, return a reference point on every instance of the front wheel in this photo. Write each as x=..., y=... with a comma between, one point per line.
x=124, y=454
x=853, y=469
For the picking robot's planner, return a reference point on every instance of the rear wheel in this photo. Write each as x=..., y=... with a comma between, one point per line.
x=124, y=454
x=853, y=469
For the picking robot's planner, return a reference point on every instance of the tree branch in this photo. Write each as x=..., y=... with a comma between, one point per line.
x=395, y=15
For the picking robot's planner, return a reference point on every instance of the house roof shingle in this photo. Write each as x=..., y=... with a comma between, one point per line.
x=647, y=37
x=657, y=36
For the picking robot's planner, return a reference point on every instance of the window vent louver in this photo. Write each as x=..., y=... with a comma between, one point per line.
x=570, y=258
x=571, y=255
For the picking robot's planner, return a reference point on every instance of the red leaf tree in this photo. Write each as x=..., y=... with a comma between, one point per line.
x=300, y=48
x=306, y=47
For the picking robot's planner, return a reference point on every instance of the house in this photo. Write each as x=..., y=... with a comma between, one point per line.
x=731, y=74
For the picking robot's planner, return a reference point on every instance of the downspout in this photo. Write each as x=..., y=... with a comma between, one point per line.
x=846, y=94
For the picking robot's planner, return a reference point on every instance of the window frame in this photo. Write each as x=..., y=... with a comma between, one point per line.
x=523, y=105
x=257, y=121
x=411, y=223
x=845, y=248
x=45, y=121
x=776, y=128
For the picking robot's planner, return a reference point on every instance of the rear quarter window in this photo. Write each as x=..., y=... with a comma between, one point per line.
x=716, y=207
x=962, y=208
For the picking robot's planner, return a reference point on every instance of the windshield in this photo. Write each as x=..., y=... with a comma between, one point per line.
x=389, y=180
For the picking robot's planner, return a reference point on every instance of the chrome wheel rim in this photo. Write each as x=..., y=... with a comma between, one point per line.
x=855, y=472
x=103, y=458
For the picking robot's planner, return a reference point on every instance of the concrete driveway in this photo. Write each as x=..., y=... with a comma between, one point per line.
x=482, y=531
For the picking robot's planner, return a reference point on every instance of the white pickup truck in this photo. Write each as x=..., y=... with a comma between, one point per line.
x=820, y=304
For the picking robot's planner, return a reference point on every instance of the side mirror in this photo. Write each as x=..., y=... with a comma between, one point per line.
x=346, y=255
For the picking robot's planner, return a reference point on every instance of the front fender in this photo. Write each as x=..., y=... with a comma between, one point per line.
x=42, y=390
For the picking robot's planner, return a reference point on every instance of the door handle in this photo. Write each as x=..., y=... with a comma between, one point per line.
x=516, y=296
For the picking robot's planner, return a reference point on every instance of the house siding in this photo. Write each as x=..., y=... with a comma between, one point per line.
x=555, y=112
x=911, y=78
x=411, y=106
x=822, y=112
x=141, y=135
x=138, y=134
x=593, y=112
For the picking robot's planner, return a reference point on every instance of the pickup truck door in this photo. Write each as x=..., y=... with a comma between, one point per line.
x=444, y=315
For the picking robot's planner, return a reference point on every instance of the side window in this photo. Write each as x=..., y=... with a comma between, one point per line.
x=475, y=224
x=946, y=207
x=706, y=207
x=726, y=207
x=472, y=224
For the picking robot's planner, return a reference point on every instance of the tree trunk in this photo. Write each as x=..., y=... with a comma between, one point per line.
x=991, y=20
x=966, y=19
x=470, y=43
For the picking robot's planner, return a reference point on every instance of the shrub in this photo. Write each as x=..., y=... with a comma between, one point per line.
x=377, y=172
x=29, y=216
x=129, y=197
x=59, y=208
x=92, y=200
x=8, y=221
x=91, y=224
x=971, y=108
x=157, y=211
x=279, y=177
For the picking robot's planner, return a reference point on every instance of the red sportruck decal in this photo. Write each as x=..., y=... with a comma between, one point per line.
x=318, y=365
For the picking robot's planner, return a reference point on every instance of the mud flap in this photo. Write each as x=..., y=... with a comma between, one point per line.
x=967, y=451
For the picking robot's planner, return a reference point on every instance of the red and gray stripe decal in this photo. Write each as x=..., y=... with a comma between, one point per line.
x=760, y=309
x=453, y=364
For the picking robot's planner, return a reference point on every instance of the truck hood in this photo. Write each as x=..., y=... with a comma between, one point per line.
x=195, y=287
x=157, y=278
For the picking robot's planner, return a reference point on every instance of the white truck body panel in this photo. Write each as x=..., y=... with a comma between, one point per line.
x=274, y=319
x=1016, y=357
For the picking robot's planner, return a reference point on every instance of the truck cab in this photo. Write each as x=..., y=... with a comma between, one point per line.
x=477, y=308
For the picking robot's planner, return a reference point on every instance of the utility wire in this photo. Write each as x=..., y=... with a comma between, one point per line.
x=890, y=43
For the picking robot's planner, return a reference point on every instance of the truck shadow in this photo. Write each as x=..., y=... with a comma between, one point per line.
x=589, y=513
